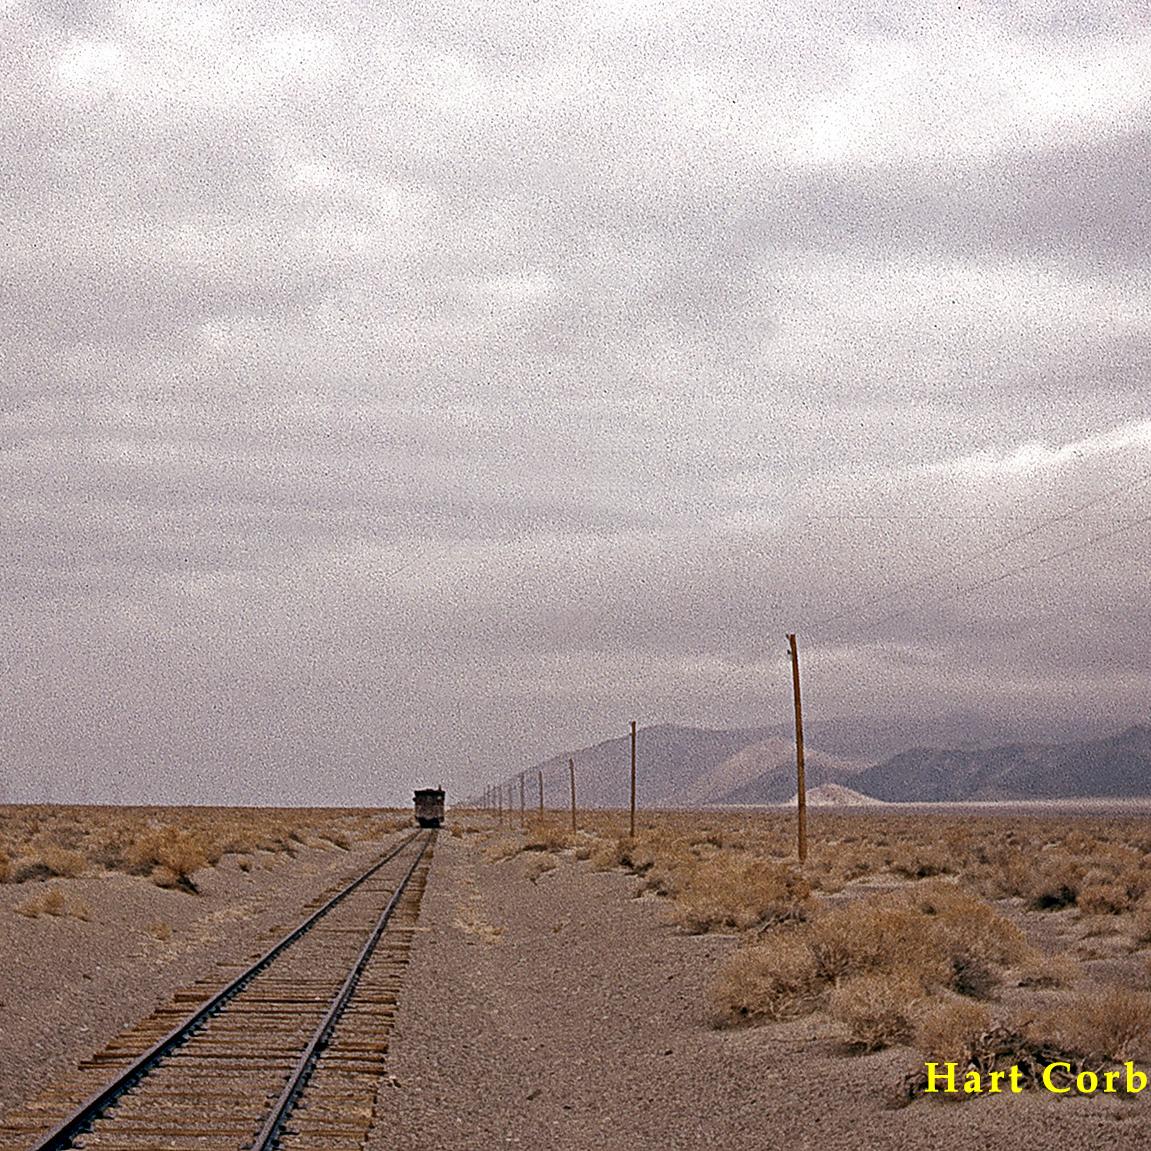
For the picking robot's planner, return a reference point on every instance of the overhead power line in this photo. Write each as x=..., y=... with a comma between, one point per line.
x=979, y=553
x=1020, y=570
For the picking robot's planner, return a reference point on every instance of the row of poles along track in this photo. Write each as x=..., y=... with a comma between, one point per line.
x=493, y=796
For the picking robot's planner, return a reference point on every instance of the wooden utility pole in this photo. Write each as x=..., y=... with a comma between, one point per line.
x=540, y=776
x=633, y=779
x=521, y=799
x=800, y=781
x=500, y=803
x=571, y=772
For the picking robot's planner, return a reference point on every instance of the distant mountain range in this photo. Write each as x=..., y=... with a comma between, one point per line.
x=699, y=767
x=1118, y=766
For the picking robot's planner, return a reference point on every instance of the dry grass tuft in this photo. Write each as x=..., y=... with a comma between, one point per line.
x=50, y=902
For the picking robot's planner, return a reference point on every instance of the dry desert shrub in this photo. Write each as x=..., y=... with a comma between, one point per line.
x=772, y=980
x=735, y=894
x=585, y=845
x=547, y=837
x=1109, y=1024
x=1140, y=923
x=159, y=930
x=539, y=865
x=503, y=847
x=921, y=862
x=53, y=902
x=935, y=933
x=946, y=1030
x=930, y=940
x=671, y=872
x=63, y=862
x=1049, y=971
x=1056, y=882
x=866, y=937
x=879, y=1010
x=1101, y=894
x=609, y=853
x=50, y=902
x=969, y=923
x=29, y=869
x=168, y=856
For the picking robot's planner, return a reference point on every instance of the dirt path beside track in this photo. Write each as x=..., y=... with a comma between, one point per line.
x=555, y=1012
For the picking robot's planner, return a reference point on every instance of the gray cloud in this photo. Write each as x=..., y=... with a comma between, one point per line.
x=400, y=393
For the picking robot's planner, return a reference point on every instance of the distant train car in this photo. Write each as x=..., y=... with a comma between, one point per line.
x=430, y=806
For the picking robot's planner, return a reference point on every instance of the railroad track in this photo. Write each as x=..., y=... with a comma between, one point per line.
x=288, y=1053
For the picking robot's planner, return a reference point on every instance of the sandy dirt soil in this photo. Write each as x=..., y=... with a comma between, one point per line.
x=68, y=985
x=560, y=1013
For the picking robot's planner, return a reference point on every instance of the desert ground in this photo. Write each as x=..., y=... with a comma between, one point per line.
x=690, y=987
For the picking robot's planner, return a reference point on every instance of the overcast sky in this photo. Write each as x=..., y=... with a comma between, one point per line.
x=404, y=393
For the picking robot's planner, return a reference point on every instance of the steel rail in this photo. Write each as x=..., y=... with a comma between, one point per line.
x=61, y=1137
x=302, y=1072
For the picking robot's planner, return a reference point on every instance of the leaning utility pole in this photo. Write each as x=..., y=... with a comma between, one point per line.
x=800, y=783
x=540, y=776
x=633, y=779
x=521, y=799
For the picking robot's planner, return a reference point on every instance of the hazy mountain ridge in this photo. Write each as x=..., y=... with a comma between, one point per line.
x=669, y=758
x=687, y=767
x=761, y=772
x=699, y=767
x=1117, y=766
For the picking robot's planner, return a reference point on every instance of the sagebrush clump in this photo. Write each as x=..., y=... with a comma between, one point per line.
x=900, y=947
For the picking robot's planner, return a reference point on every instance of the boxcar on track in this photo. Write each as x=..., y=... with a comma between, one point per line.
x=430, y=806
